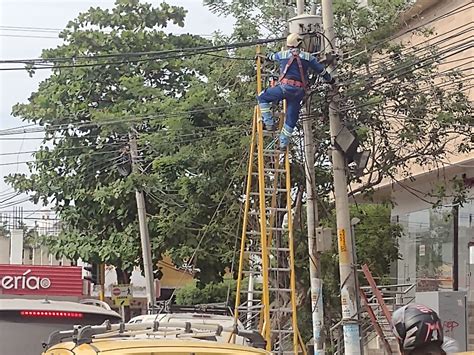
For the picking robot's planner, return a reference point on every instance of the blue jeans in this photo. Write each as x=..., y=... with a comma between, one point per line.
x=293, y=96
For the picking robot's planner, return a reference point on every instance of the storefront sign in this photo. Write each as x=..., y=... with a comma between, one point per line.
x=40, y=280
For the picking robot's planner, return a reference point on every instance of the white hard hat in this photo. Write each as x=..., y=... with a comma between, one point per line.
x=294, y=40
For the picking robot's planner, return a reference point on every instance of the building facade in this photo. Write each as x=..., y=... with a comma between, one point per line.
x=437, y=247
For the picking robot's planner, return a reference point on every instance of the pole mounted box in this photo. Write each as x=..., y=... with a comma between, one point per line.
x=310, y=27
x=324, y=239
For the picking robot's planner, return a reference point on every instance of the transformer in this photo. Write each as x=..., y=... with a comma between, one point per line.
x=310, y=27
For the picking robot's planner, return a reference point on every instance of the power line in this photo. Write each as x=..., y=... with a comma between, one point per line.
x=411, y=50
x=32, y=29
x=153, y=55
x=436, y=56
x=29, y=36
x=124, y=119
x=435, y=19
x=421, y=63
x=207, y=135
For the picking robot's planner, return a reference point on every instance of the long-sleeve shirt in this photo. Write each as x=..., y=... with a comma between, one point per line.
x=307, y=60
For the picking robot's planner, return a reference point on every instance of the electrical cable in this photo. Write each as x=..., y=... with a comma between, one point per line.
x=204, y=234
x=125, y=119
x=164, y=54
x=408, y=50
x=29, y=36
x=435, y=19
x=30, y=29
x=418, y=66
x=420, y=60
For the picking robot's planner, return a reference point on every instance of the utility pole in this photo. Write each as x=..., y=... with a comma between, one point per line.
x=349, y=293
x=317, y=307
x=102, y=282
x=144, y=236
x=455, y=247
x=299, y=7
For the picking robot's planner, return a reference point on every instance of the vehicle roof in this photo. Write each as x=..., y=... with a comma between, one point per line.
x=180, y=316
x=141, y=346
x=16, y=304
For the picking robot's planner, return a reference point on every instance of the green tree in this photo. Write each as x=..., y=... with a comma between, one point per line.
x=376, y=241
x=190, y=112
x=391, y=99
x=187, y=111
x=221, y=292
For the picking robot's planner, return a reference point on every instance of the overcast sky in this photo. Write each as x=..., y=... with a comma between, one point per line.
x=27, y=27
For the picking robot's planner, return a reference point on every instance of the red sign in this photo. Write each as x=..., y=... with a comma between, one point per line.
x=41, y=280
x=116, y=292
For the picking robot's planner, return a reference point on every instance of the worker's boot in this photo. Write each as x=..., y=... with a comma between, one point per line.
x=268, y=123
x=285, y=135
x=267, y=117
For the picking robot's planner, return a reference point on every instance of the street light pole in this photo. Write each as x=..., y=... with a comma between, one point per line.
x=349, y=294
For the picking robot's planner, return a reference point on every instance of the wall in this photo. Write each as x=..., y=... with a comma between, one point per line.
x=4, y=249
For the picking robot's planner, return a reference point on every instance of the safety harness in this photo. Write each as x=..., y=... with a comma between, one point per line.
x=303, y=83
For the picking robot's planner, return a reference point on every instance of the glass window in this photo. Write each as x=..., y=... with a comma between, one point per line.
x=426, y=248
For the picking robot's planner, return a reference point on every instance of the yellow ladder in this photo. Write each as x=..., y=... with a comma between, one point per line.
x=266, y=285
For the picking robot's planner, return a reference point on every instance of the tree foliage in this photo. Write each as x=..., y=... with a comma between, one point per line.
x=186, y=111
x=394, y=98
x=189, y=113
x=221, y=292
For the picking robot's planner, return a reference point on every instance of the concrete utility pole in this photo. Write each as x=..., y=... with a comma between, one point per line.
x=349, y=292
x=456, y=247
x=316, y=283
x=299, y=7
x=144, y=236
x=317, y=307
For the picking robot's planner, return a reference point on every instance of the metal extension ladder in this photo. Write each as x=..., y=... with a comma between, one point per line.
x=266, y=285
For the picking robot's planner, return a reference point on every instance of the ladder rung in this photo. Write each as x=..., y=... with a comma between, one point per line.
x=279, y=289
x=272, y=152
x=277, y=229
x=283, y=331
x=278, y=209
x=286, y=269
x=268, y=190
x=257, y=292
x=281, y=310
x=253, y=233
x=269, y=170
x=273, y=170
x=272, y=209
x=286, y=250
x=252, y=272
x=278, y=249
x=253, y=307
x=258, y=194
x=267, y=133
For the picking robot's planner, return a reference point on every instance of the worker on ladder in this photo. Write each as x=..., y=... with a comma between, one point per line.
x=292, y=84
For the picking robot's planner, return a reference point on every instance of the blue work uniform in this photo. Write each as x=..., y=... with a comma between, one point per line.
x=294, y=66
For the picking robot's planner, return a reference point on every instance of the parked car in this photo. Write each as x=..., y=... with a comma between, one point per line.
x=26, y=323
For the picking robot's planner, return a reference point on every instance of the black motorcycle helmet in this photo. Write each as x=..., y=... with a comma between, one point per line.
x=416, y=326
